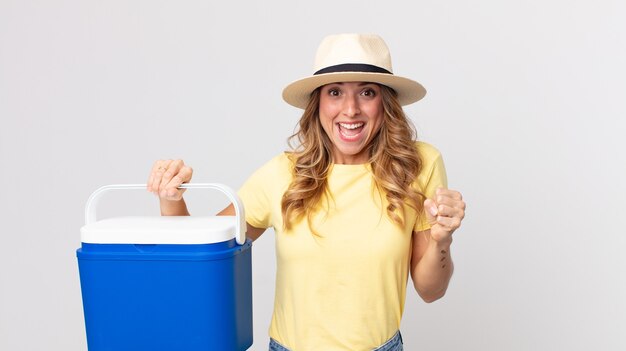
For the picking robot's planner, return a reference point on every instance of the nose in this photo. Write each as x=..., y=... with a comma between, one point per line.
x=351, y=106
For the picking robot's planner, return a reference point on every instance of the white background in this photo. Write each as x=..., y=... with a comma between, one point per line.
x=525, y=101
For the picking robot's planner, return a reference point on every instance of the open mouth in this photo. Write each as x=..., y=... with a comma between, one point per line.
x=350, y=131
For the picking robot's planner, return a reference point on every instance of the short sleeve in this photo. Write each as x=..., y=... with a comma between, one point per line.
x=260, y=192
x=433, y=176
x=255, y=200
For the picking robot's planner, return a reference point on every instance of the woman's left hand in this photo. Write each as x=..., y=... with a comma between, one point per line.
x=445, y=213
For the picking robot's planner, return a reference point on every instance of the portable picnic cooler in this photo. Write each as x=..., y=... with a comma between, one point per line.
x=166, y=283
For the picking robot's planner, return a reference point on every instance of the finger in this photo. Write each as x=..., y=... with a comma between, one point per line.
x=449, y=223
x=186, y=173
x=171, y=189
x=450, y=211
x=151, y=176
x=158, y=175
x=449, y=193
x=430, y=207
x=450, y=201
x=170, y=171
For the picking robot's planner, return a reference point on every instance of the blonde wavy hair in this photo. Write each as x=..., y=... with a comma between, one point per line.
x=393, y=157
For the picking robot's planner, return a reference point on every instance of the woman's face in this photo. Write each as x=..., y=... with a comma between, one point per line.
x=351, y=114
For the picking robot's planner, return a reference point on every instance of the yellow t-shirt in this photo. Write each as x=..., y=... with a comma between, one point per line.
x=344, y=289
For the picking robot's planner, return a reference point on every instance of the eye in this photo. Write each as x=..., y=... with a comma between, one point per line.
x=333, y=92
x=368, y=92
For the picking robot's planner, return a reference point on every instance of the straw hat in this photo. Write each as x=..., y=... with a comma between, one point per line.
x=352, y=58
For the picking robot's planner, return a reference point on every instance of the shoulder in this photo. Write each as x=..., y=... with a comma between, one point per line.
x=282, y=161
x=271, y=177
x=433, y=170
x=279, y=164
x=427, y=152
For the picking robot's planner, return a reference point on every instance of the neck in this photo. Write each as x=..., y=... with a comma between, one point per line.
x=351, y=159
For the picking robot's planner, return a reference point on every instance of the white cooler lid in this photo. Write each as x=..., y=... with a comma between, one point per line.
x=160, y=230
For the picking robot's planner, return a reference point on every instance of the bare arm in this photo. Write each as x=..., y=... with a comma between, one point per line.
x=165, y=178
x=173, y=208
x=252, y=233
x=431, y=266
x=431, y=262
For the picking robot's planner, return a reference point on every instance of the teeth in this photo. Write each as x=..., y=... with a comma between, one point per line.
x=351, y=125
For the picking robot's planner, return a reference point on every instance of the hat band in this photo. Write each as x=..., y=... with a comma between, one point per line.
x=352, y=67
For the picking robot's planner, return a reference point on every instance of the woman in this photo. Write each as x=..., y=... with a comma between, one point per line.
x=356, y=207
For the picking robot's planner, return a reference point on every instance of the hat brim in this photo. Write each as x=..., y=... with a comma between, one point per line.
x=297, y=93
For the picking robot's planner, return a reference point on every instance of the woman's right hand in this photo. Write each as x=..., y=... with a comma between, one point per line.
x=165, y=178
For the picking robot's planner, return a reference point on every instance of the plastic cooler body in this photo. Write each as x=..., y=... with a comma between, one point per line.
x=167, y=296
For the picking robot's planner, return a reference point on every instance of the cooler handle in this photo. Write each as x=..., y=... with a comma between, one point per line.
x=240, y=225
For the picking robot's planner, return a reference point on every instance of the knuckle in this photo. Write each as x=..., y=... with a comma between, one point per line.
x=456, y=222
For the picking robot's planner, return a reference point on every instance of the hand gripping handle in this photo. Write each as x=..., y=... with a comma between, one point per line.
x=240, y=226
